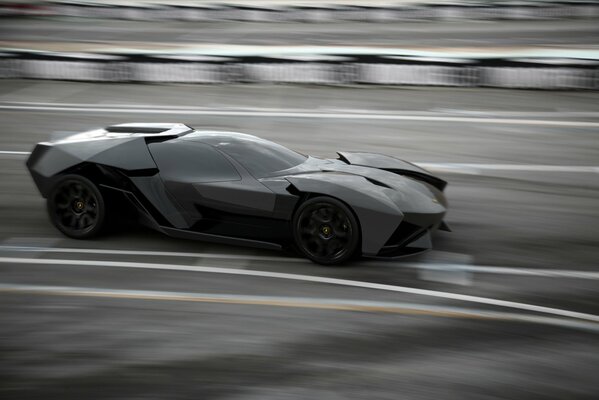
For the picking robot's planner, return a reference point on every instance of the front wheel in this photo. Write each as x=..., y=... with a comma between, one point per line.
x=76, y=207
x=326, y=231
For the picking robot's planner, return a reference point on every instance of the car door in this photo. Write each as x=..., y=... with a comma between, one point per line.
x=206, y=184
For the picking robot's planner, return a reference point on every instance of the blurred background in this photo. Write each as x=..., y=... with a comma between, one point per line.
x=499, y=98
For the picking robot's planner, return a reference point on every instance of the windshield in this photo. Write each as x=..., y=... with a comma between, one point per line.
x=261, y=157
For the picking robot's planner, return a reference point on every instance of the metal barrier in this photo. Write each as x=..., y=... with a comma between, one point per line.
x=543, y=73
x=352, y=11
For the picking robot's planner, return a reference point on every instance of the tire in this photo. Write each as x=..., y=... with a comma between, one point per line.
x=326, y=231
x=76, y=207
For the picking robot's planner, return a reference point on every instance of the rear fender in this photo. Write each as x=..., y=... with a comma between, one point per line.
x=48, y=160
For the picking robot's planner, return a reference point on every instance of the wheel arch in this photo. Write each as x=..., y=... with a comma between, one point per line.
x=69, y=220
x=377, y=215
x=98, y=174
x=305, y=196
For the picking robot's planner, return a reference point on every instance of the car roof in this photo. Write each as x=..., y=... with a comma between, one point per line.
x=214, y=137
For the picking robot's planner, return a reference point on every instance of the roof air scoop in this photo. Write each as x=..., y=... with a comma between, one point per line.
x=149, y=129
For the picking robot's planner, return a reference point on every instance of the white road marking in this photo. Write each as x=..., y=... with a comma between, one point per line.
x=298, y=302
x=451, y=276
x=499, y=113
x=357, y=114
x=494, y=270
x=440, y=266
x=430, y=112
x=460, y=168
x=306, y=278
x=15, y=153
x=149, y=253
x=478, y=168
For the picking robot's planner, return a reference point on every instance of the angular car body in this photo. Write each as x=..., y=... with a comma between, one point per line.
x=235, y=188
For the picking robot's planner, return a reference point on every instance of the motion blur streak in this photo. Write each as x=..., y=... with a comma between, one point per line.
x=313, y=303
x=358, y=114
x=506, y=306
x=306, y=278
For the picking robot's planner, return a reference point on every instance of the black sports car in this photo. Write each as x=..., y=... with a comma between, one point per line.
x=235, y=188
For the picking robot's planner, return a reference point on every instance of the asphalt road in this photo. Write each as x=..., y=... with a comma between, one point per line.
x=137, y=315
x=558, y=33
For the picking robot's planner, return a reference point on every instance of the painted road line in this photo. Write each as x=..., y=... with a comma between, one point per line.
x=477, y=168
x=63, y=250
x=485, y=113
x=300, y=114
x=548, y=273
x=306, y=278
x=336, y=110
x=296, y=302
x=440, y=266
x=15, y=153
x=492, y=270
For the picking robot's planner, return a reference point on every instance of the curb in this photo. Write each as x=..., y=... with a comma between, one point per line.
x=320, y=69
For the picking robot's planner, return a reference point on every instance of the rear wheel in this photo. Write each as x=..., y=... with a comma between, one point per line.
x=76, y=207
x=326, y=231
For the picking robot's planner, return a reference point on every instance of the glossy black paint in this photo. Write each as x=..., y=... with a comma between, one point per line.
x=237, y=188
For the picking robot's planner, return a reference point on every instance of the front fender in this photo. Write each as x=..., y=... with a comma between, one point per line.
x=377, y=214
x=391, y=164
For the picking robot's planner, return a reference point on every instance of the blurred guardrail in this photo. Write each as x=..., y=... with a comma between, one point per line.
x=327, y=69
x=306, y=11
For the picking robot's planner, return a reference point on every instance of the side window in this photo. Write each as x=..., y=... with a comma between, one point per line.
x=186, y=161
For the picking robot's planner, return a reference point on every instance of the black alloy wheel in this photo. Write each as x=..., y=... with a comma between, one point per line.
x=76, y=207
x=326, y=231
